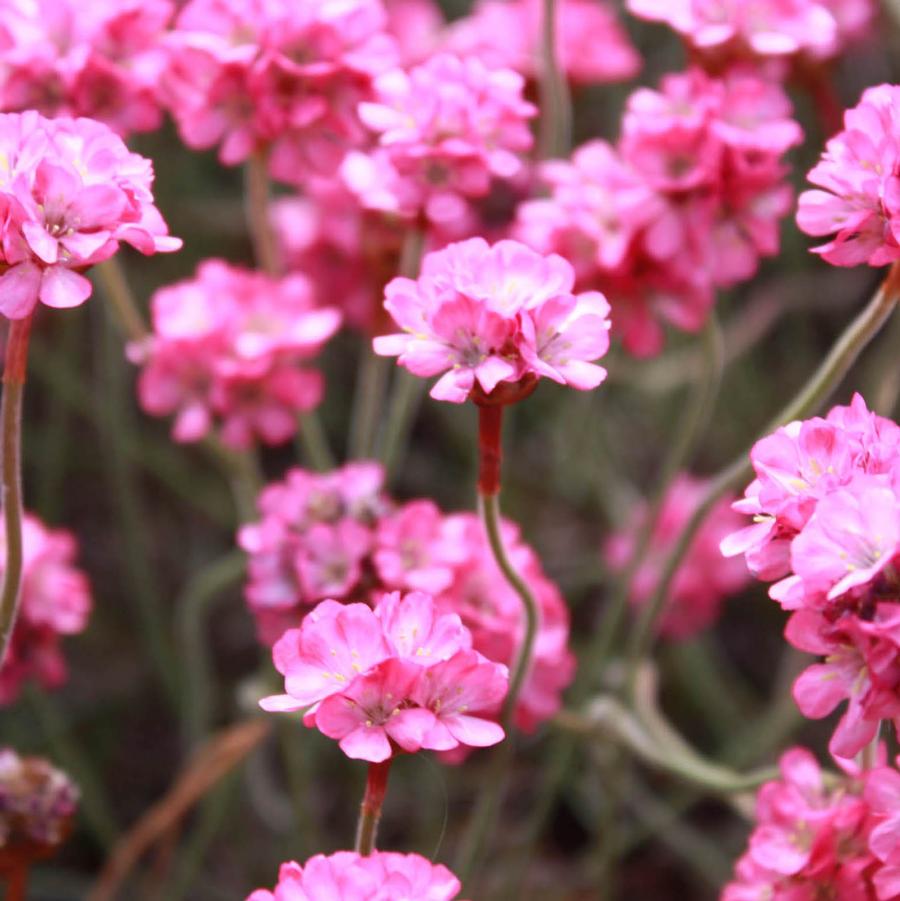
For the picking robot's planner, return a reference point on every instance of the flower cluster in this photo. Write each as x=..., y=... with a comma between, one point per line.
x=445, y=129
x=815, y=839
x=56, y=601
x=95, y=58
x=591, y=45
x=860, y=203
x=348, y=876
x=488, y=316
x=401, y=677
x=704, y=578
x=764, y=29
x=227, y=348
x=687, y=202
x=70, y=193
x=337, y=535
x=37, y=802
x=826, y=509
x=278, y=76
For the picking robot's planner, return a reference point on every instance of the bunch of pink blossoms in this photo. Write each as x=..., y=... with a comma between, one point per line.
x=818, y=839
x=348, y=876
x=275, y=75
x=70, y=193
x=228, y=347
x=95, y=58
x=703, y=580
x=860, y=203
x=56, y=601
x=765, y=29
x=488, y=316
x=591, y=45
x=445, y=129
x=403, y=677
x=826, y=509
x=687, y=203
x=337, y=535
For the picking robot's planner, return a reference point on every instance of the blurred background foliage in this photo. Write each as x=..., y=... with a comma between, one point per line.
x=170, y=655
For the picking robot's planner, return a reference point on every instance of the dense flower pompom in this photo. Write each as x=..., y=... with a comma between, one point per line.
x=37, y=804
x=403, y=677
x=860, y=200
x=812, y=839
x=70, y=193
x=826, y=510
x=338, y=535
x=228, y=350
x=445, y=129
x=96, y=58
x=56, y=601
x=733, y=29
x=485, y=315
x=704, y=578
x=348, y=876
x=591, y=45
x=250, y=75
x=687, y=202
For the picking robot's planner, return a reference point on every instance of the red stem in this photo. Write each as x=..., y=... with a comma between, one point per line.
x=17, y=883
x=370, y=809
x=490, y=421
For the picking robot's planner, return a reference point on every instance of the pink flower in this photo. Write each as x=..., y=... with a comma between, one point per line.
x=95, y=58
x=228, y=349
x=70, y=193
x=882, y=794
x=348, y=876
x=703, y=580
x=445, y=129
x=484, y=315
x=591, y=45
x=56, y=601
x=250, y=75
x=859, y=203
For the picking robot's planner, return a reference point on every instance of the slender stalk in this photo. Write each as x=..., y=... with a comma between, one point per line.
x=370, y=809
x=368, y=397
x=314, y=442
x=256, y=196
x=11, y=486
x=118, y=293
x=17, y=883
x=490, y=450
x=556, y=104
x=814, y=393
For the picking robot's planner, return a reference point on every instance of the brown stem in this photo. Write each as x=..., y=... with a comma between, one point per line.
x=490, y=422
x=370, y=809
x=17, y=883
x=11, y=475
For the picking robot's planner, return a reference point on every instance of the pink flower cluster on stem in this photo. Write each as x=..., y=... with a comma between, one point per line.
x=818, y=835
x=254, y=75
x=826, y=510
x=403, y=677
x=70, y=194
x=703, y=580
x=338, y=535
x=228, y=351
x=687, y=202
x=348, y=876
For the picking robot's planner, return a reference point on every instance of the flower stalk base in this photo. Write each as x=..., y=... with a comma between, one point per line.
x=370, y=809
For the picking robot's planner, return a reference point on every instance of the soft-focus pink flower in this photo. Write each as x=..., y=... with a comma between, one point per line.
x=703, y=580
x=70, y=193
x=860, y=200
x=253, y=75
x=348, y=876
x=56, y=601
x=94, y=58
x=481, y=315
x=591, y=45
x=228, y=349
x=445, y=129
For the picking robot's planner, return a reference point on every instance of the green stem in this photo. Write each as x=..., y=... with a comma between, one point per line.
x=814, y=393
x=314, y=442
x=556, y=104
x=11, y=423
x=122, y=301
x=370, y=809
x=241, y=470
x=192, y=608
x=368, y=396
